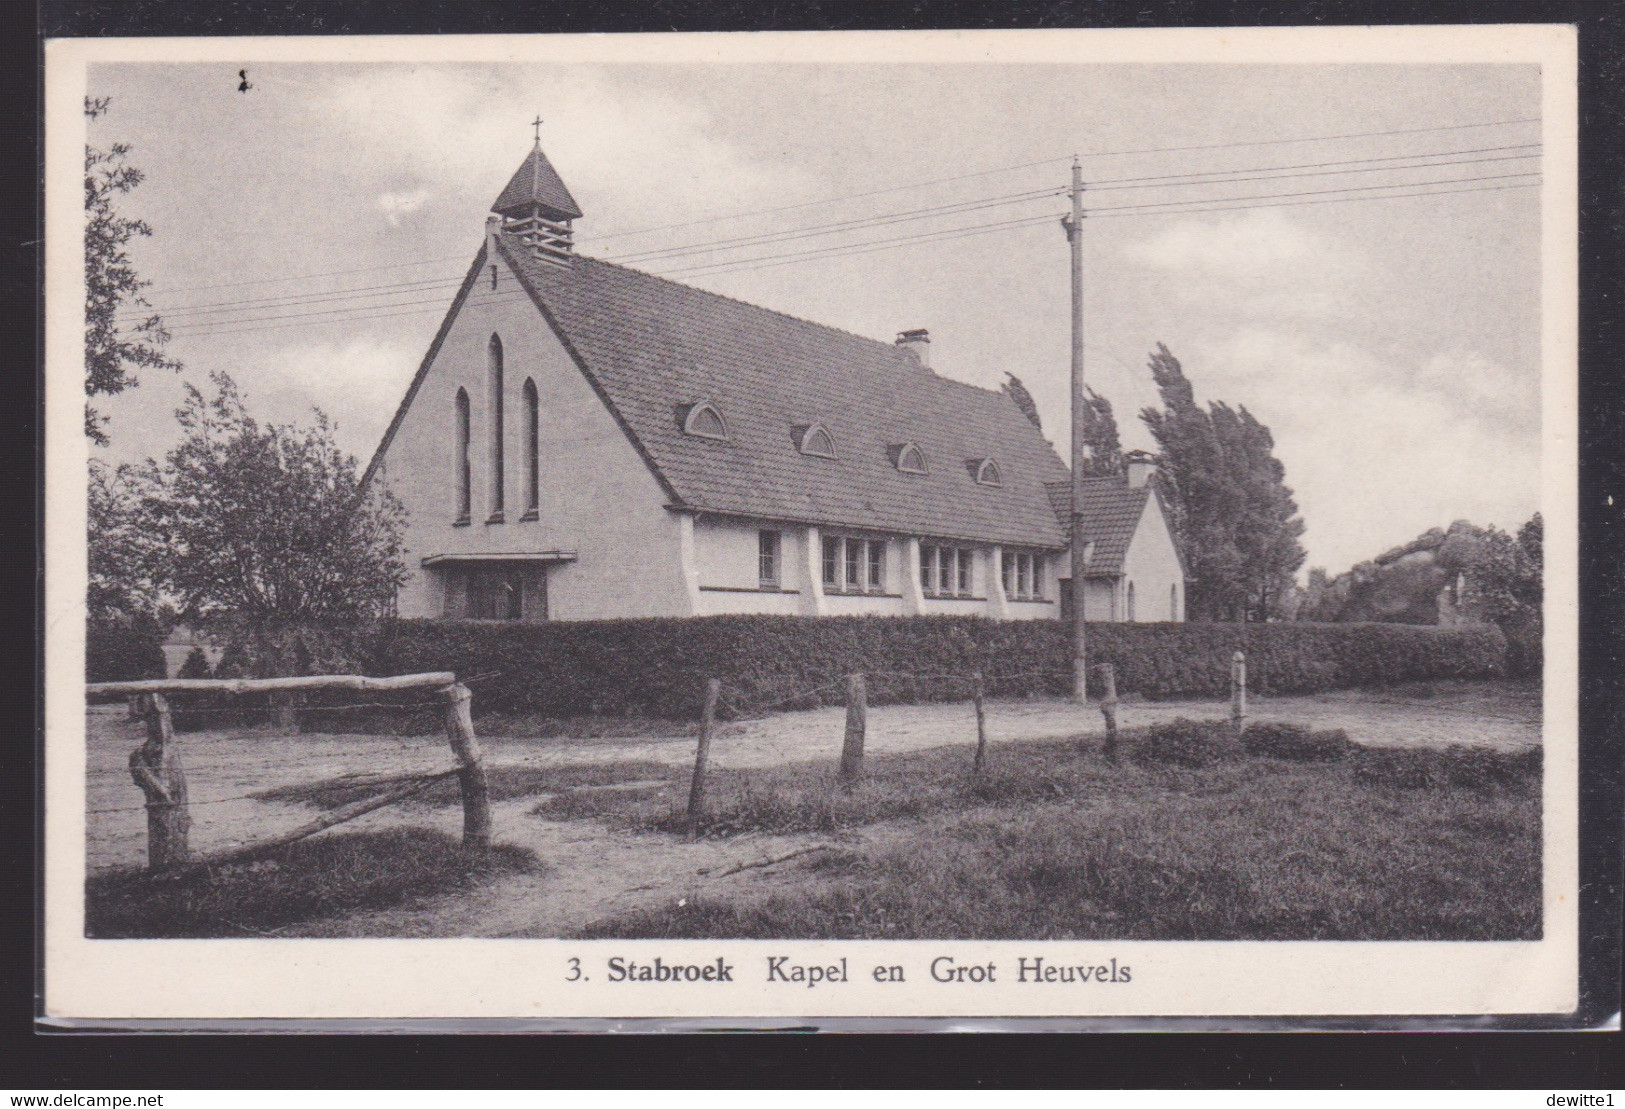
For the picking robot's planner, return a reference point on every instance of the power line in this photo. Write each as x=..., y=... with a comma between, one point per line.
x=1300, y=203
x=1317, y=173
x=856, y=248
x=1320, y=165
x=356, y=314
x=1312, y=138
x=845, y=225
x=826, y=200
x=1268, y=172
x=1316, y=192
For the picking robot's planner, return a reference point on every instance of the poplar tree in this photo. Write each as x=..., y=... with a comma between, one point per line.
x=1232, y=512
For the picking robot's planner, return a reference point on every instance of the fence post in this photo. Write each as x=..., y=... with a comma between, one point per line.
x=857, y=720
x=465, y=746
x=977, y=693
x=1108, y=708
x=156, y=768
x=1238, y=691
x=702, y=756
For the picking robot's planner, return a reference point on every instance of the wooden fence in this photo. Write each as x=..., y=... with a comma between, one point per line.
x=157, y=768
x=857, y=717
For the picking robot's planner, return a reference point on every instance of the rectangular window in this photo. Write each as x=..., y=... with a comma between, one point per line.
x=767, y=558
x=1007, y=573
x=877, y=565
x=963, y=582
x=832, y=563
x=854, y=565
x=1038, y=577
x=928, y=568
x=1024, y=576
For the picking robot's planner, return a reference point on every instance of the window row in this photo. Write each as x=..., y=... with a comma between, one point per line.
x=705, y=421
x=853, y=565
x=1022, y=575
x=495, y=399
x=946, y=571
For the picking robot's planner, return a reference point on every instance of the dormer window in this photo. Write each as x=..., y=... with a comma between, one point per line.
x=985, y=471
x=816, y=441
x=908, y=458
x=705, y=421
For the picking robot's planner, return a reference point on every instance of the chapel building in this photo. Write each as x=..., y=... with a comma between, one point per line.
x=585, y=441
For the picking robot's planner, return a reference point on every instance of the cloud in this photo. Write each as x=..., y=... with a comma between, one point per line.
x=396, y=205
x=357, y=381
x=1379, y=451
x=632, y=156
x=1259, y=262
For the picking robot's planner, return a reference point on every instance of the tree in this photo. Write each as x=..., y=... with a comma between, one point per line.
x=1230, y=508
x=113, y=349
x=267, y=527
x=1100, y=436
x=123, y=553
x=1505, y=586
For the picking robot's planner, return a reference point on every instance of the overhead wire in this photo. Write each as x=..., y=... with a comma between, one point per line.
x=1214, y=177
x=356, y=314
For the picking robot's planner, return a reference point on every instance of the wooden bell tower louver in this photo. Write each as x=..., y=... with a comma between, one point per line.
x=539, y=209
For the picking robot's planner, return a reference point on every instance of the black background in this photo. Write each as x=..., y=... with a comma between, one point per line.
x=1543, y=1059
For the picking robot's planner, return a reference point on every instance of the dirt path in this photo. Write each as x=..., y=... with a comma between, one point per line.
x=592, y=872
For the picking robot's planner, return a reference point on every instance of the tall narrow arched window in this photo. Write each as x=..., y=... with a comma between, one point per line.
x=465, y=483
x=1131, y=602
x=533, y=464
x=1173, y=602
x=493, y=357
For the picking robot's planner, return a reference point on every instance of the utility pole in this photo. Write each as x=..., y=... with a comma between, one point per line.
x=1080, y=450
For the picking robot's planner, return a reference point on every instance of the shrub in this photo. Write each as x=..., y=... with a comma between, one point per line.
x=123, y=653
x=1296, y=743
x=1189, y=743
x=1454, y=767
x=658, y=667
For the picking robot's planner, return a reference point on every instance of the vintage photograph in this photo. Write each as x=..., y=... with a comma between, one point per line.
x=831, y=501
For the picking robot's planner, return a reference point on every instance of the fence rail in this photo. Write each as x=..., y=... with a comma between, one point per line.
x=157, y=768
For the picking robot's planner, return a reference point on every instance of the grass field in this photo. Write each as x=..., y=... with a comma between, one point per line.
x=1300, y=833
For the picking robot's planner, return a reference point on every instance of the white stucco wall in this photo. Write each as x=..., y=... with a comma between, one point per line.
x=1152, y=564
x=597, y=496
x=725, y=557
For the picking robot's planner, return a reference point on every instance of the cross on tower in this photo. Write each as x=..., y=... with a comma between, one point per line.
x=537, y=124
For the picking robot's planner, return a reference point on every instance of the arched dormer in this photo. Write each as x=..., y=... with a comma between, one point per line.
x=985, y=471
x=705, y=421
x=909, y=459
x=815, y=440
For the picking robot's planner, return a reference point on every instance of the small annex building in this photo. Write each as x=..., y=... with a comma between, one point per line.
x=586, y=441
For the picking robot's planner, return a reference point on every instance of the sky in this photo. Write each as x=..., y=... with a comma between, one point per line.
x=1391, y=344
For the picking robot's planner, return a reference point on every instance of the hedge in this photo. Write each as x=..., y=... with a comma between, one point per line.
x=115, y=653
x=659, y=667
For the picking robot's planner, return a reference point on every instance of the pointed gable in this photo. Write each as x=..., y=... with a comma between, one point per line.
x=537, y=185
x=1109, y=512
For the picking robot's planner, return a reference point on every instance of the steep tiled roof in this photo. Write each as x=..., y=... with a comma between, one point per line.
x=1110, y=512
x=653, y=347
x=536, y=181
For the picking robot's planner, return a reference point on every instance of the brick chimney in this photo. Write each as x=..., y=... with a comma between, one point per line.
x=1139, y=466
x=918, y=343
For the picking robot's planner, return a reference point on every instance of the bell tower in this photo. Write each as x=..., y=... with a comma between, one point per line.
x=538, y=208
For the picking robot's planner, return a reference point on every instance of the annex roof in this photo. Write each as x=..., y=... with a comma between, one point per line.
x=1110, y=511
x=653, y=348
